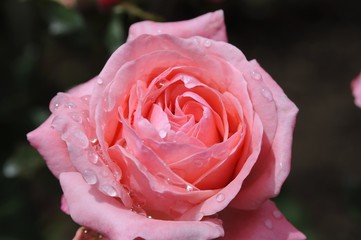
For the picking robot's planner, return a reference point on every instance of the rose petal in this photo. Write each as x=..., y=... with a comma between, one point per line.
x=91, y=208
x=264, y=223
x=213, y=205
x=64, y=205
x=210, y=25
x=273, y=165
x=48, y=141
x=356, y=90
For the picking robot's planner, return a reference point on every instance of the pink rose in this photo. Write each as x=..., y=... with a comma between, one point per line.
x=356, y=89
x=178, y=137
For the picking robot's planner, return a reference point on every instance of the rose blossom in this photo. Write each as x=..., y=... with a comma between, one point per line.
x=178, y=137
x=356, y=90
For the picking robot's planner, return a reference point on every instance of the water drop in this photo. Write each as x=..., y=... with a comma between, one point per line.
x=70, y=105
x=160, y=84
x=189, y=188
x=80, y=139
x=268, y=223
x=76, y=117
x=277, y=214
x=94, y=141
x=267, y=94
x=109, y=103
x=150, y=217
x=162, y=133
x=109, y=190
x=196, y=40
x=117, y=175
x=207, y=43
x=58, y=123
x=85, y=99
x=100, y=81
x=281, y=165
x=256, y=75
x=93, y=157
x=90, y=176
x=57, y=101
x=189, y=82
x=220, y=197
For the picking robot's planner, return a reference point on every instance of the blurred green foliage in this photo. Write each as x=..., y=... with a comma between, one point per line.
x=312, y=48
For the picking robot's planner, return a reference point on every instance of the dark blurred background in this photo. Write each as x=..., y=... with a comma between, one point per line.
x=311, y=48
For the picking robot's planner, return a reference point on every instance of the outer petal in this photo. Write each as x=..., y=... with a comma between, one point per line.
x=210, y=25
x=273, y=165
x=264, y=223
x=48, y=141
x=356, y=89
x=92, y=209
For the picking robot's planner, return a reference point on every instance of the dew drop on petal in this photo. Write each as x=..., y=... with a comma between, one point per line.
x=90, y=176
x=220, y=197
x=100, y=81
x=160, y=84
x=268, y=223
x=189, y=188
x=76, y=117
x=109, y=190
x=57, y=101
x=207, y=43
x=58, y=123
x=281, y=165
x=81, y=139
x=267, y=94
x=117, y=175
x=109, y=103
x=93, y=157
x=162, y=133
x=94, y=141
x=85, y=99
x=256, y=75
x=277, y=214
x=70, y=105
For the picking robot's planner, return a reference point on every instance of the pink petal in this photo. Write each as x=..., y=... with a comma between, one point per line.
x=264, y=223
x=356, y=90
x=273, y=165
x=64, y=205
x=90, y=208
x=48, y=141
x=210, y=25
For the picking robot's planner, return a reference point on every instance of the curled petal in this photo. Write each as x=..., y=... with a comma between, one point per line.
x=106, y=215
x=210, y=25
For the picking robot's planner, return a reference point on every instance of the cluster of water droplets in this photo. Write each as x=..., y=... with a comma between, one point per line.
x=71, y=119
x=268, y=222
x=266, y=93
